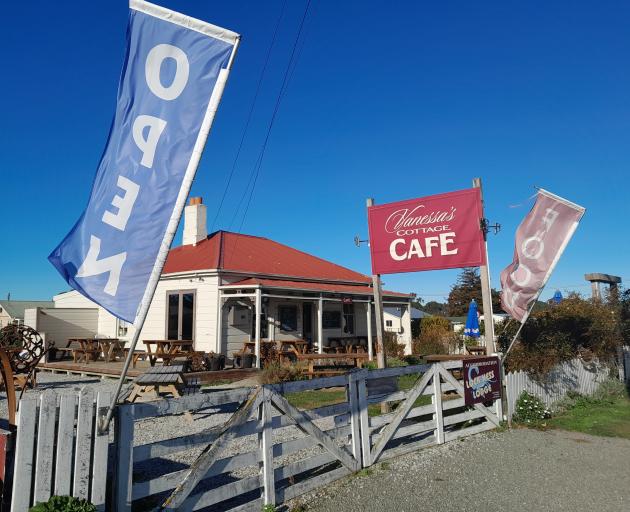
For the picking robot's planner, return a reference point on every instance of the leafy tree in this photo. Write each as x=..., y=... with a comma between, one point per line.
x=435, y=308
x=466, y=288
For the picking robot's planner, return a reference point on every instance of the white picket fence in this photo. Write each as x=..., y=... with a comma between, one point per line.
x=576, y=375
x=58, y=450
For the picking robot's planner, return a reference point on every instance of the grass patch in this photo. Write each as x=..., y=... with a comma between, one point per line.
x=315, y=398
x=609, y=418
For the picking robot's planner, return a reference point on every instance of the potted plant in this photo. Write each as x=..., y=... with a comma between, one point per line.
x=248, y=360
x=216, y=362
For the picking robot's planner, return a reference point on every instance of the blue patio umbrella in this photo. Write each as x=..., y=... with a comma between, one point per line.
x=557, y=297
x=472, y=321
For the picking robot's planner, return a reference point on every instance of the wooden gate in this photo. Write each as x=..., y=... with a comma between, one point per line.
x=266, y=452
x=431, y=411
x=58, y=450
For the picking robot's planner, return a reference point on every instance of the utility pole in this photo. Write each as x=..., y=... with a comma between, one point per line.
x=486, y=292
x=378, y=306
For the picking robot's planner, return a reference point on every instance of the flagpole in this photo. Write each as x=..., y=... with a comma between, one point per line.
x=171, y=228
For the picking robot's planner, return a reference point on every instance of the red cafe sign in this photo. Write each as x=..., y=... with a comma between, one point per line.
x=429, y=233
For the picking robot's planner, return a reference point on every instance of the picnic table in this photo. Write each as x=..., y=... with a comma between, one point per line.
x=296, y=345
x=90, y=349
x=331, y=364
x=161, y=380
x=167, y=350
x=288, y=348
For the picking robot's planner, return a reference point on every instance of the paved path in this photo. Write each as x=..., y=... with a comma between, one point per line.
x=522, y=470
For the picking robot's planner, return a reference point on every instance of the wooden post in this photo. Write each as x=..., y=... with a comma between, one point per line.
x=369, y=330
x=219, y=336
x=378, y=304
x=320, y=325
x=486, y=291
x=265, y=446
x=436, y=398
x=124, y=433
x=258, y=309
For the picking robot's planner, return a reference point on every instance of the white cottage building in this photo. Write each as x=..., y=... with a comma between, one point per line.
x=224, y=289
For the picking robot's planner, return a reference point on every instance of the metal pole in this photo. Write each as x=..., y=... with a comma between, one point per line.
x=171, y=229
x=486, y=290
x=378, y=305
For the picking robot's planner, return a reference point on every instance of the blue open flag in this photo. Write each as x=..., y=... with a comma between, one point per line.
x=173, y=75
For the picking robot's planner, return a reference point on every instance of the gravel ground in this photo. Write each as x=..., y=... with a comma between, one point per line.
x=519, y=470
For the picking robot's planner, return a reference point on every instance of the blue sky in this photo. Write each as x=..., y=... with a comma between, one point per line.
x=389, y=100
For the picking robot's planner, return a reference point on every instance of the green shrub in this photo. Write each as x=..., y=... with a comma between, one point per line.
x=395, y=362
x=435, y=337
x=64, y=504
x=530, y=411
x=608, y=392
x=275, y=372
x=412, y=360
x=370, y=365
x=423, y=346
x=576, y=327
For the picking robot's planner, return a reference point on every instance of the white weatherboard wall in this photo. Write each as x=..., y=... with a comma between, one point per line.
x=107, y=323
x=575, y=375
x=206, y=293
x=59, y=324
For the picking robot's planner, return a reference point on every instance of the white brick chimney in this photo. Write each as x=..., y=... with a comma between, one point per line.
x=195, y=228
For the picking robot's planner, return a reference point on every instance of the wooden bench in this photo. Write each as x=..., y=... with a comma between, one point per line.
x=79, y=354
x=137, y=355
x=338, y=363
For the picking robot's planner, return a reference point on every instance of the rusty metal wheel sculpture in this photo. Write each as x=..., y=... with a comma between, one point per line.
x=25, y=348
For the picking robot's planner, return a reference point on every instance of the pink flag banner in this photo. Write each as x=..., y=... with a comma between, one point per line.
x=540, y=241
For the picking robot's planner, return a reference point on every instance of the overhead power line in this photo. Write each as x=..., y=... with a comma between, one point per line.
x=258, y=165
x=250, y=114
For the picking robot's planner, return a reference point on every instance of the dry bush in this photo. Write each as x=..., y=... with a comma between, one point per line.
x=392, y=347
x=435, y=337
x=269, y=354
x=275, y=373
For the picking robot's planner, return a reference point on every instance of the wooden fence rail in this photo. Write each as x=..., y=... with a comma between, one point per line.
x=58, y=450
x=258, y=449
x=292, y=451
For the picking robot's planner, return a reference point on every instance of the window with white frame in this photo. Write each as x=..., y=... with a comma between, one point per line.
x=388, y=323
x=122, y=329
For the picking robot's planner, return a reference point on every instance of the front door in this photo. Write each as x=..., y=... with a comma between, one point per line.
x=307, y=321
x=180, y=317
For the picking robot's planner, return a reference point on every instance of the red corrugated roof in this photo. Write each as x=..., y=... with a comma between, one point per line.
x=228, y=251
x=310, y=286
